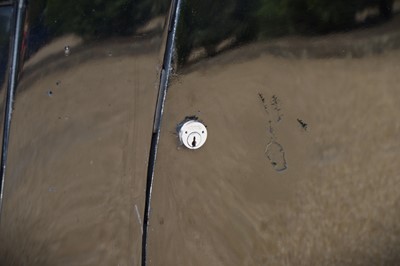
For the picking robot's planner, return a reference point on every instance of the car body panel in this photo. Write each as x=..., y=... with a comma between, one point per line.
x=75, y=182
x=300, y=101
x=300, y=165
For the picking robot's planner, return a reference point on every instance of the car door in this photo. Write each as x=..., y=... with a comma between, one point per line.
x=202, y=133
x=86, y=80
x=299, y=167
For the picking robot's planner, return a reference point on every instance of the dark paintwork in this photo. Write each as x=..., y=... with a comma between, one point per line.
x=300, y=166
x=76, y=173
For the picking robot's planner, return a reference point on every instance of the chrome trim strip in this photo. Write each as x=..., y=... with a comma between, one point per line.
x=12, y=82
x=165, y=73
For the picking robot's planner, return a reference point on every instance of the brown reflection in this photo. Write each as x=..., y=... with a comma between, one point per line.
x=335, y=119
x=77, y=160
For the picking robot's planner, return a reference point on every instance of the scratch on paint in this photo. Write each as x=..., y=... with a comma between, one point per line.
x=303, y=124
x=274, y=151
x=138, y=217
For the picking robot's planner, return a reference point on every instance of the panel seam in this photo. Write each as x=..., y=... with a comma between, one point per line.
x=12, y=83
x=162, y=92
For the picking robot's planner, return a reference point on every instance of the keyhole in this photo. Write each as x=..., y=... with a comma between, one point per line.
x=194, y=142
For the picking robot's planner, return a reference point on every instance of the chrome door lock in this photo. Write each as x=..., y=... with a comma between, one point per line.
x=192, y=134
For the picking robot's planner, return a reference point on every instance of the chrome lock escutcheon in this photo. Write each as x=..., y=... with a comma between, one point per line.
x=193, y=134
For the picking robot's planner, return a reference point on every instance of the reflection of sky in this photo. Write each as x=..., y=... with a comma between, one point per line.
x=5, y=17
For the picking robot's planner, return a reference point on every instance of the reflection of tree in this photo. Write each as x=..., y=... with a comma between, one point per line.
x=5, y=17
x=206, y=23
x=93, y=18
x=314, y=16
x=90, y=19
x=100, y=18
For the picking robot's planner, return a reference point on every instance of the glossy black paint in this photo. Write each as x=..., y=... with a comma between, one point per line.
x=82, y=101
x=300, y=100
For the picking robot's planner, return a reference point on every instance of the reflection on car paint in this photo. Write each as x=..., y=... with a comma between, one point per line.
x=309, y=88
x=80, y=134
